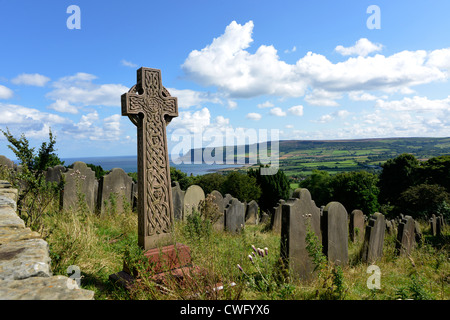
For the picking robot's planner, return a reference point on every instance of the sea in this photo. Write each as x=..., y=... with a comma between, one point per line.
x=129, y=164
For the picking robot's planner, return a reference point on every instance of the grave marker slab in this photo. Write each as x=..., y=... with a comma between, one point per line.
x=78, y=180
x=335, y=233
x=356, y=226
x=115, y=186
x=178, y=200
x=251, y=214
x=276, y=217
x=374, y=238
x=219, y=201
x=234, y=216
x=194, y=194
x=405, y=235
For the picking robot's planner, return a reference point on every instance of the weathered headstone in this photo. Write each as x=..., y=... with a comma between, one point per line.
x=219, y=201
x=433, y=224
x=374, y=238
x=79, y=186
x=405, y=235
x=54, y=174
x=265, y=218
x=389, y=227
x=234, y=216
x=150, y=107
x=356, y=226
x=194, y=194
x=251, y=214
x=334, y=226
x=295, y=224
x=226, y=200
x=114, y=191
x=309, y=209
x=178, y=200
x=276, y=217
x=417, y=232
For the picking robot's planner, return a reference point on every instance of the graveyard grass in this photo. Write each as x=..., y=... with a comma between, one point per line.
x=99, y=244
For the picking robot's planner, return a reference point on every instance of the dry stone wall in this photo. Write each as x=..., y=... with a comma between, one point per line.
x=25, y=265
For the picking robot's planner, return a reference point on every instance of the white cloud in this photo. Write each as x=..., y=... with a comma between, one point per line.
x=79, y=89
x=340, y=114
x=28, y=79
x=277, y=112
x=266, y=104
x=294, y=48
x=5, y=93
x=128, y=64
x=362, y=47
x=63, y=106
x=363, y=96
x=296, y=110
x=320, y=97
x=193, y=121
x=189, y=98
x=416, y=103
x=227, y=64
x=254, y=116
x=289, y=126
x=16, y=114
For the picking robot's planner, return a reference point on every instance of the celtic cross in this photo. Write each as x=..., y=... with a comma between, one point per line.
x=150, y=107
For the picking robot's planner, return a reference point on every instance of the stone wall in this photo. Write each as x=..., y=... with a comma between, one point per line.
x=25, y=272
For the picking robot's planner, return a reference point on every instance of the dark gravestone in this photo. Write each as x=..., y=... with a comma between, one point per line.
x=234, y=216
x=54, y=174
x=150, y=108
x=251, y=215
x=356, y=226
x=294, y=227
x=194, y=194
x=335, y=233
x=433, y=224
x=374, y=238
x=276, y=217
x=405, y=235
x=265, y=218
x=79, y=185
x=114, y=192
x=218, y=199
x=417, y=232
x=389, y=227
x=178, y=200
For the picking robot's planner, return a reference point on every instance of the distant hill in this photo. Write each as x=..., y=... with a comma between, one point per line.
x=300, y=157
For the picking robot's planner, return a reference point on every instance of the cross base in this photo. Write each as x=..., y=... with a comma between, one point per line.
x=170, y=265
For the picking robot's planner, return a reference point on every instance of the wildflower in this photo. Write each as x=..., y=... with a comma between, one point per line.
x=254, y=248
x=240, y=268
x=251, y=258
x=266, y=250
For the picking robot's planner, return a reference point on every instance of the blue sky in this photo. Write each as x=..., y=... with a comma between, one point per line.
x=310, y=69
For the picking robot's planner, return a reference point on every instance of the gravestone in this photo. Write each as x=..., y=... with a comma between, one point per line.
x=265, y=218
x=79, y=181
x=334, y=226
x=114, y=191
x=234, y=216
x=433, y=224
x=374, y=238
x=309, y=209
x=194, y=194
x=178, y=200
x=226, y=200
x=405, y=235
x=389, y=227
x=276, y=217
x=439, y=225
x=219, y=201
x=251, y=214
x=417, y=232
x=356, y=226
x=295, y=224
x=54, y=174
x=150, y=108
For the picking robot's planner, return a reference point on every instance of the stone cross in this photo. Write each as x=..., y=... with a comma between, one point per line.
x=150, y=107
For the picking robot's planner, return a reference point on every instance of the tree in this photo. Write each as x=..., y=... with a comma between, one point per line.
x=398, y=174
x=436, y=170
x=318, y=184
x=356, y=190
x=181, y=177
x=241, y=186
x=274, y=187
x=209, y=182
x=423, y=200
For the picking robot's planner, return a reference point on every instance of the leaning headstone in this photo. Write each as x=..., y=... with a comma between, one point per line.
x=276, y=217
x=374, y=238
x=356, y=226
x=178, y=200
x=251, y=214
x=194, y=194
x=405, y=235
x=417, y=232
x=219, y=201
x=54, y=174
x=389, y=227
x=265, y=218
x=79, y=186
x=294, y=227
x=114, y=191
x=335, y=233
x=234, y=216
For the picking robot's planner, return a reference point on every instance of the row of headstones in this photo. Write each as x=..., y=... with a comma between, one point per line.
x=297, y=216
x=436, y=224
x=233, y=214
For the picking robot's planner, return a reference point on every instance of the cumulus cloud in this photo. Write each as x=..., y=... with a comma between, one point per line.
x=193, y=121
x=266, y=104
x=80, y=89
x=296, y=110
x=63, y=106
x=29, y=79
x=5, y=93
x=416, y=103
x=362, y=47
x=277, y=112
x=189, y=98
x=128, y=63
x=340, y=114
x=254, y=116
x=227, y=64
